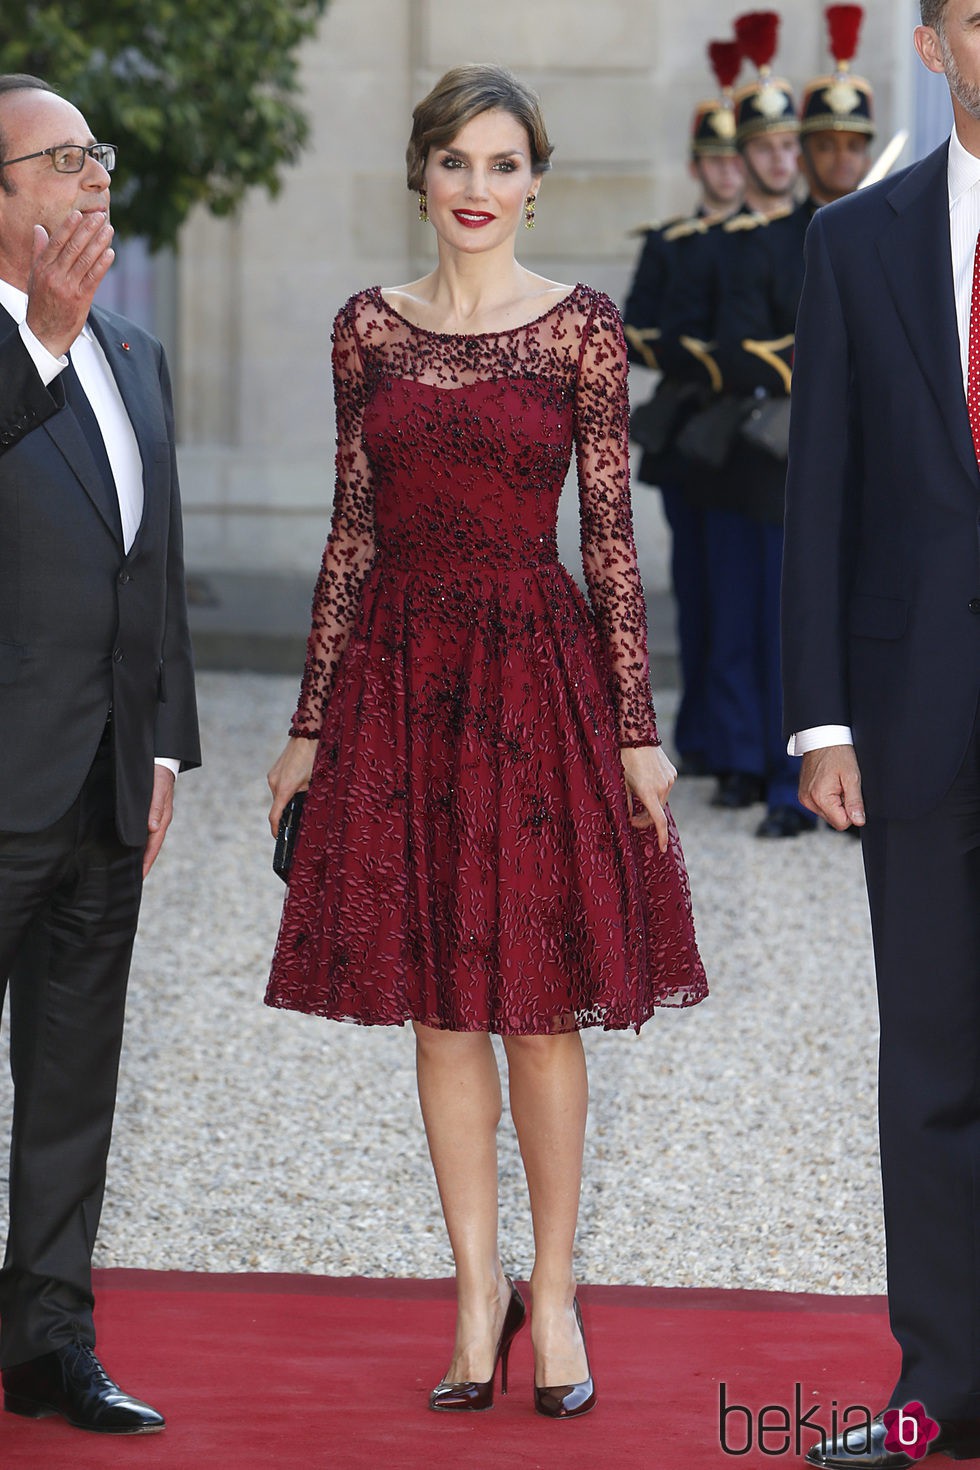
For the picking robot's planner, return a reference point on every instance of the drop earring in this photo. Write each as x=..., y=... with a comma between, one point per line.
x=529, y=212
x=423, y=207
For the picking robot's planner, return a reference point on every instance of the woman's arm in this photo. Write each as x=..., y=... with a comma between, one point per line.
x=347, y=559
x=609, y=552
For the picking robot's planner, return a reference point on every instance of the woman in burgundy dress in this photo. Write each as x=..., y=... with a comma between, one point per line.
x=485, y=846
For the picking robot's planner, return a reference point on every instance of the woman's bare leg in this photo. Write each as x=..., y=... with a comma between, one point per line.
x=549, y=1098
x=459, y=1090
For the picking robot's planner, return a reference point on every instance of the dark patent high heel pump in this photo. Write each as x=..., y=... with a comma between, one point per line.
x=468, y=1397
x=569, y=1400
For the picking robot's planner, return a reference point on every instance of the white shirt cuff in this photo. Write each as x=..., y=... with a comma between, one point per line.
x=48, y=366
x=172, y=766
x=818, y=737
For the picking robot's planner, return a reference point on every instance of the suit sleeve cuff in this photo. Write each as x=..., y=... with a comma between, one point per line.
x=48, y=366
x=172, y=766
x=818, y=737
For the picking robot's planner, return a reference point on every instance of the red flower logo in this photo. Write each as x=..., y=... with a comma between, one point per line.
x=910, y=1430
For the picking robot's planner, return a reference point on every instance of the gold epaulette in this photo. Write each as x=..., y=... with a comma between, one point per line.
x=697, y=225
x=641, y=340
x=656, y=225
x=739, y=222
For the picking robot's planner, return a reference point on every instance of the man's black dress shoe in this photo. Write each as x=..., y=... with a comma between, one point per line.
x=738, y=789
x=784, y=821
x=71, y=1381
x=855, y=1450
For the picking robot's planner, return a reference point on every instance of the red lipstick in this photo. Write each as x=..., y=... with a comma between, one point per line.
x=473, y=219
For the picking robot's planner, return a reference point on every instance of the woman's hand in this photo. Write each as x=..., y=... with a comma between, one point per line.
x=291, y=773
x=649, y=777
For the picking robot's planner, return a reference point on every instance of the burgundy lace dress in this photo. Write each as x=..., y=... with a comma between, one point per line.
x=465, y=857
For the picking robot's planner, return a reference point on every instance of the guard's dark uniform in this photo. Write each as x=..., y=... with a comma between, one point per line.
x=663, y=466
x=741, y=490
x=754, y=355
x=658, y=271
x=738, y=491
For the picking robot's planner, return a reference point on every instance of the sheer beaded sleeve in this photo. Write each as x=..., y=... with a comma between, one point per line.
x=350, y=547
x=608, y=548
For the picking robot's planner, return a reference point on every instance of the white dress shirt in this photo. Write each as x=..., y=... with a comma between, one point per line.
x=963, y=178
x=102, y=392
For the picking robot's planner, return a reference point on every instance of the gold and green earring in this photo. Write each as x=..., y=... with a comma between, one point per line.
x=529, y=212
x=423, y=207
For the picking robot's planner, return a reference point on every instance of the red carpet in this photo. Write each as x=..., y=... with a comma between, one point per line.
x=309, y=1373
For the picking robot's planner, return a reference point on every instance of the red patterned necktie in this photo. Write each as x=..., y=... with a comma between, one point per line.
x=973, y=370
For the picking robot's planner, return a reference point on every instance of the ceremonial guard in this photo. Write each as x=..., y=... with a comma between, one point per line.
x=655, y=425
x=754, y=356
x=742, y=711
x=837, y=116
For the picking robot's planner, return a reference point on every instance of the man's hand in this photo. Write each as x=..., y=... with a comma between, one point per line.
x=66, y=271
x=161, y=814
x=649, y=777
x=830, y=785
x=291, y=773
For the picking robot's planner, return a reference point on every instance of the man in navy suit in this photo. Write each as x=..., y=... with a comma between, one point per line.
x=881, y=642
x=97, y=714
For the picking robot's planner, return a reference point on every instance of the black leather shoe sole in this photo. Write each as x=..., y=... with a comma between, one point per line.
x=28, y=1408
x=784, y=821
x=36, y=1409
x=737, y=791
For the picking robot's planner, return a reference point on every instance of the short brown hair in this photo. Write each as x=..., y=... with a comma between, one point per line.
x=932, y=12
x=463, y=94
x=16, y=82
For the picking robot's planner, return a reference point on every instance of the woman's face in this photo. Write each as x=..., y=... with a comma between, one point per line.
x=477, y=184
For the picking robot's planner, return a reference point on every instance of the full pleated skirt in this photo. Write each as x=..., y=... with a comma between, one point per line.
x=465, y=857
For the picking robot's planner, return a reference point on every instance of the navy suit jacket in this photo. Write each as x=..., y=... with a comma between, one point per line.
x=881, y=576
x=84, y=623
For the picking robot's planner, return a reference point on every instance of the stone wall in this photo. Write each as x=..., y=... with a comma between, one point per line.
x=256, y=296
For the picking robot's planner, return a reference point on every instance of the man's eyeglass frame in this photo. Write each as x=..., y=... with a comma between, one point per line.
x=103, y=153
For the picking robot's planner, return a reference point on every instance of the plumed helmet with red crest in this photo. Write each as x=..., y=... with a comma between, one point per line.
x=842, y=102
x=765, y=105
x=713, y=131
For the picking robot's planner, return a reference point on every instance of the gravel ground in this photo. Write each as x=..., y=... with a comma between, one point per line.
x=248, y=1139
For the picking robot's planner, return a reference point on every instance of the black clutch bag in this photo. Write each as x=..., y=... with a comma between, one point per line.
x=767, y=426
x=709, y=437
x=653, y=424
x=289, y=822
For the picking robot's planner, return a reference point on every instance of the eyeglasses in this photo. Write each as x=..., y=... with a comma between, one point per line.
x=69, y=158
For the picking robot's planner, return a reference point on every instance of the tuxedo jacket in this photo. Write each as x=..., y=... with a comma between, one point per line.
x=881, y=577
x=84, y=625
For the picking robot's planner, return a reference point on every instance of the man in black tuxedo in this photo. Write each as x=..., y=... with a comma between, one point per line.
x=97, y=714
x=881, y=640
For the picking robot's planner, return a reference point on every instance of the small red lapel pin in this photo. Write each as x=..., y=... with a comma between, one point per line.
x=124, y=346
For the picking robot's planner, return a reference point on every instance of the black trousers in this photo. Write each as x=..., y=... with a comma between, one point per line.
x=69, y=902
x=924, y=887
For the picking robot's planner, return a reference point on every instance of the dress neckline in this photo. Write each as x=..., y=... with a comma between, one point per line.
x=474, y=336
